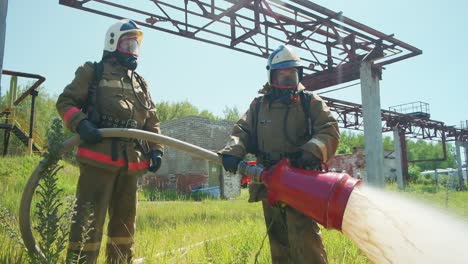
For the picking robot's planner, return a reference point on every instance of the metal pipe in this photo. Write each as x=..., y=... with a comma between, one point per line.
x=34, y=94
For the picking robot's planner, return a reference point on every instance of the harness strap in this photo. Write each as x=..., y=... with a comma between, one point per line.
x=305, y=99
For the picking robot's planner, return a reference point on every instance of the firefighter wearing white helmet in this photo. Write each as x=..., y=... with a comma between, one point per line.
x=284, y=58
x=285, y=122
x=109, y=94
x=123, y=40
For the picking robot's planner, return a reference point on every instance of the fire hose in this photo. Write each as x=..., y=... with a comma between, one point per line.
x=320, y=195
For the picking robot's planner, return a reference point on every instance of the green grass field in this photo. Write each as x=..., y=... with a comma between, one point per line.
x=189, y=231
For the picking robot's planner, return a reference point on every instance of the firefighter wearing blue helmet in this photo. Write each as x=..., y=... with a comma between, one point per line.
x=109, y=94
x=285, y=122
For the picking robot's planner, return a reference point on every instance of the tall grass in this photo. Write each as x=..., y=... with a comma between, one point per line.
x=214, y=231
x=184, y=230
x=52, y=216
x=180, y=231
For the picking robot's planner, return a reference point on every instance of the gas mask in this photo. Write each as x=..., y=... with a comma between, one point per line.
x=286, y=78
x=128, y=50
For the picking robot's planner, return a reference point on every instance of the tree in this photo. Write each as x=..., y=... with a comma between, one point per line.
x=169, y=111
x=348, y=141
x=231, y=114
x=423, y=150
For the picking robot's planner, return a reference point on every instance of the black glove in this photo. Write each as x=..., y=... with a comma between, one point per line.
x=308, y=161
x=89, y=132
x=156, y=159
x=230, y=163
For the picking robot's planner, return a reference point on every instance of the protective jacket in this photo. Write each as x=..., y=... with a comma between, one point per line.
x=118, y=104
x=273, y=130
x=277, y=130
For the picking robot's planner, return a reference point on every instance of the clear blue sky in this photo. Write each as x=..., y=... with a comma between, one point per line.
x=52, y=40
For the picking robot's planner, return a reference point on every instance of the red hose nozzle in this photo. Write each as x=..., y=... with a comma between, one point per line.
x=320, y=195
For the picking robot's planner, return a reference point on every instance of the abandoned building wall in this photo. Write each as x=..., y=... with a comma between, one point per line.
x=184, y=172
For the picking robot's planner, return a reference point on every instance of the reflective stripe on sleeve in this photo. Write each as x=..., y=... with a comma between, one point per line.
x=69, y=114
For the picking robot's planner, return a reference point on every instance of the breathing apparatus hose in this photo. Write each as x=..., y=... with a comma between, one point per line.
x=68, y=145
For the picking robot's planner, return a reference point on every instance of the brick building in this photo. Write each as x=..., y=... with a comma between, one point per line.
x=184, y=172
x=355, y=164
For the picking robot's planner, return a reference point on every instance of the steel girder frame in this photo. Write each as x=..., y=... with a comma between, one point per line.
x=330, y=44
x=349, y=115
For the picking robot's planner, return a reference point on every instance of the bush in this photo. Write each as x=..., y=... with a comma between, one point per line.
x=422, y=179
x=414, y=172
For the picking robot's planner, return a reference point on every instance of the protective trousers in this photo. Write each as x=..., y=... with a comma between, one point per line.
x=100, y=191
x=294, y=237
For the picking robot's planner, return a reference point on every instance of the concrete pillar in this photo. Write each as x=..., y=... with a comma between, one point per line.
x=370, y=95
x=398, y=159
x=3, y=15
x=459, y=164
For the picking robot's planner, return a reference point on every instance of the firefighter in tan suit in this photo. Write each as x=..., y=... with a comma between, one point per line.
x=113, y=95
x=286, y=122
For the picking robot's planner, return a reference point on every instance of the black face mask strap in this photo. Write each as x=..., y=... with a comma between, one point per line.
x=129, y=61
x=282, y=95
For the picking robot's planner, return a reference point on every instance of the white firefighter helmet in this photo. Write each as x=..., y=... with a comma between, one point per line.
x=114, y=40
x=282, y=58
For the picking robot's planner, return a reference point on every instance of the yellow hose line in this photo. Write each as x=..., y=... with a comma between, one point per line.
x=68, y=145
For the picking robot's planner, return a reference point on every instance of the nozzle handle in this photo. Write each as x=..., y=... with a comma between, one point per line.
x=254, y=171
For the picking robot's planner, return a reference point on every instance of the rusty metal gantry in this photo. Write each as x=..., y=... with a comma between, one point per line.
x=350, y=116
x=331, y=45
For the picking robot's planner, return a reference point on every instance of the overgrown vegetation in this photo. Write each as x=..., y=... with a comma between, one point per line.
x=177, y=228
x=177, y=231
x=52, y=217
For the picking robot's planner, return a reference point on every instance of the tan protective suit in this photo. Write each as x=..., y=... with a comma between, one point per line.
x=109, y=169
x=294, y=238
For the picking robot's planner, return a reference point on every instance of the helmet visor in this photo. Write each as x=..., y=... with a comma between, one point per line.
x=130, y=44
x=287, y=78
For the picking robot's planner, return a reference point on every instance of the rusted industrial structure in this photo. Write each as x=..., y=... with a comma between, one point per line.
x=413, y=124
x=335, y=48
x=332, y=45
x=11, y=124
